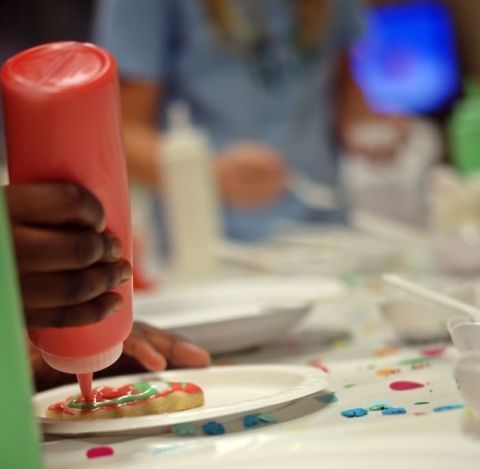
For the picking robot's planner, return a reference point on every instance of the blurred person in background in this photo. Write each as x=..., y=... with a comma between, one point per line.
x=269, y=82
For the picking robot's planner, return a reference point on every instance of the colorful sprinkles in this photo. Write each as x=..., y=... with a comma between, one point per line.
x=445, y=408
x=405, y=385
x=394, y=411
x=184, y=429
x=100, y=452
x=379, y=405
x=213, y=428
x=357, y=412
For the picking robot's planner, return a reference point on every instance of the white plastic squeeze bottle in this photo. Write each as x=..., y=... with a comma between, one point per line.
x=190, y=197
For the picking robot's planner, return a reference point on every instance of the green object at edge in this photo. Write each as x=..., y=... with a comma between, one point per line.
x=19, y=435
x=464, y=131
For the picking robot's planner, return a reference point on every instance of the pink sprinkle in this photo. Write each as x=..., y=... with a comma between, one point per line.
x=320, y=365
x=99, y=452
x=405, y=385
x=432, y=352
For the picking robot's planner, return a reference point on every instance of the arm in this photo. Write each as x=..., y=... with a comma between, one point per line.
x=248, y=174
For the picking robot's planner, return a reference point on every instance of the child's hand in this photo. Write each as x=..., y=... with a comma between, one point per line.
x=155, y=349
x=147, y=348
x=250, y=175
x=67, y=262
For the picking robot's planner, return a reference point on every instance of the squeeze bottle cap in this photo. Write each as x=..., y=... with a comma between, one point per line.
x=60, y=67
x=88, y=364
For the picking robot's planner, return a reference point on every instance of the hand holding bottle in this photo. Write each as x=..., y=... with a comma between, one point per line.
x=67, y=262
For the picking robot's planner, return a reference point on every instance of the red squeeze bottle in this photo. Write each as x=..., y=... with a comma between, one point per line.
x=62, y=123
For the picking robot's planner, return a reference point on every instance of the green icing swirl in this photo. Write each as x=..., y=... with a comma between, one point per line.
x=144, y=388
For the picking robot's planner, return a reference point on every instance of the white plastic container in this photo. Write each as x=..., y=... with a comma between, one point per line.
x=417, y=320
x=190, y=196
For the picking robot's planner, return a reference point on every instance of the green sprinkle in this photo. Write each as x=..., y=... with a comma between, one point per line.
x=415, y=361
x=184, y=429
x=267, y=418
x=380, y=405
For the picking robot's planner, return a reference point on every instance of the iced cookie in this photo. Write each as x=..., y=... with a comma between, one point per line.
x=136, y=399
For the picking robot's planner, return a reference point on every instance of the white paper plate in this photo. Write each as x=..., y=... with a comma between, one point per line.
x=229, y=391
x=237, y=314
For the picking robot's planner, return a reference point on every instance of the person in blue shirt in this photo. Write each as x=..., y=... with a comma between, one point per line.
x=265, y=78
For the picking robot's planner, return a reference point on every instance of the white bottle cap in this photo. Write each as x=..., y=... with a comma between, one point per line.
x=80, y=365
x=178, y=116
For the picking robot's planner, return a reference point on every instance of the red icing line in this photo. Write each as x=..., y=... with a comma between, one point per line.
x=106, y=392
x=99, y=452
x=405, y=385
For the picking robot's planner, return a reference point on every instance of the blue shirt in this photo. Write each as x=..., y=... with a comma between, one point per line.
x=284, y=100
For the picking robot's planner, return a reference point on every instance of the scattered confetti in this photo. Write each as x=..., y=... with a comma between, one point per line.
x=405, y=385
x=394, y=411
x=385, y=351
x=380, y=405
x=184, y=429
x=415, y=361
x=388, y=371
x=422, y=403
x=444, y=408
x=327, y=398
x=99, y=452
x=348, y=385
x=320, y=365
x=421, y=366
x=250, y=421
x=432, y=351
x=358, y=412
x=213, y=428
x=267, y=418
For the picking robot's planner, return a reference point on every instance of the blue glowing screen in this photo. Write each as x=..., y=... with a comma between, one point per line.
x=405, y=61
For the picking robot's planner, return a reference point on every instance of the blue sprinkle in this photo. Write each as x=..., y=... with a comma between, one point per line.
x=380, y=405
x=184, y=429
x=444, y=408
x=327, y=398
x=213, y=428
x=250, y=420
x=267, y=418
x=358, y=412
x=394, y=411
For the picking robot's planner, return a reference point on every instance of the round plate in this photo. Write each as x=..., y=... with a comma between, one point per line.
x=229, y=391
x=238, y=314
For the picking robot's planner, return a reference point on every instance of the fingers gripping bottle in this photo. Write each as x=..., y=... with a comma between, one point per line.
x=62, y=123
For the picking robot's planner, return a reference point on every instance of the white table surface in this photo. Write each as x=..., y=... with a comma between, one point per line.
x=358, y=350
